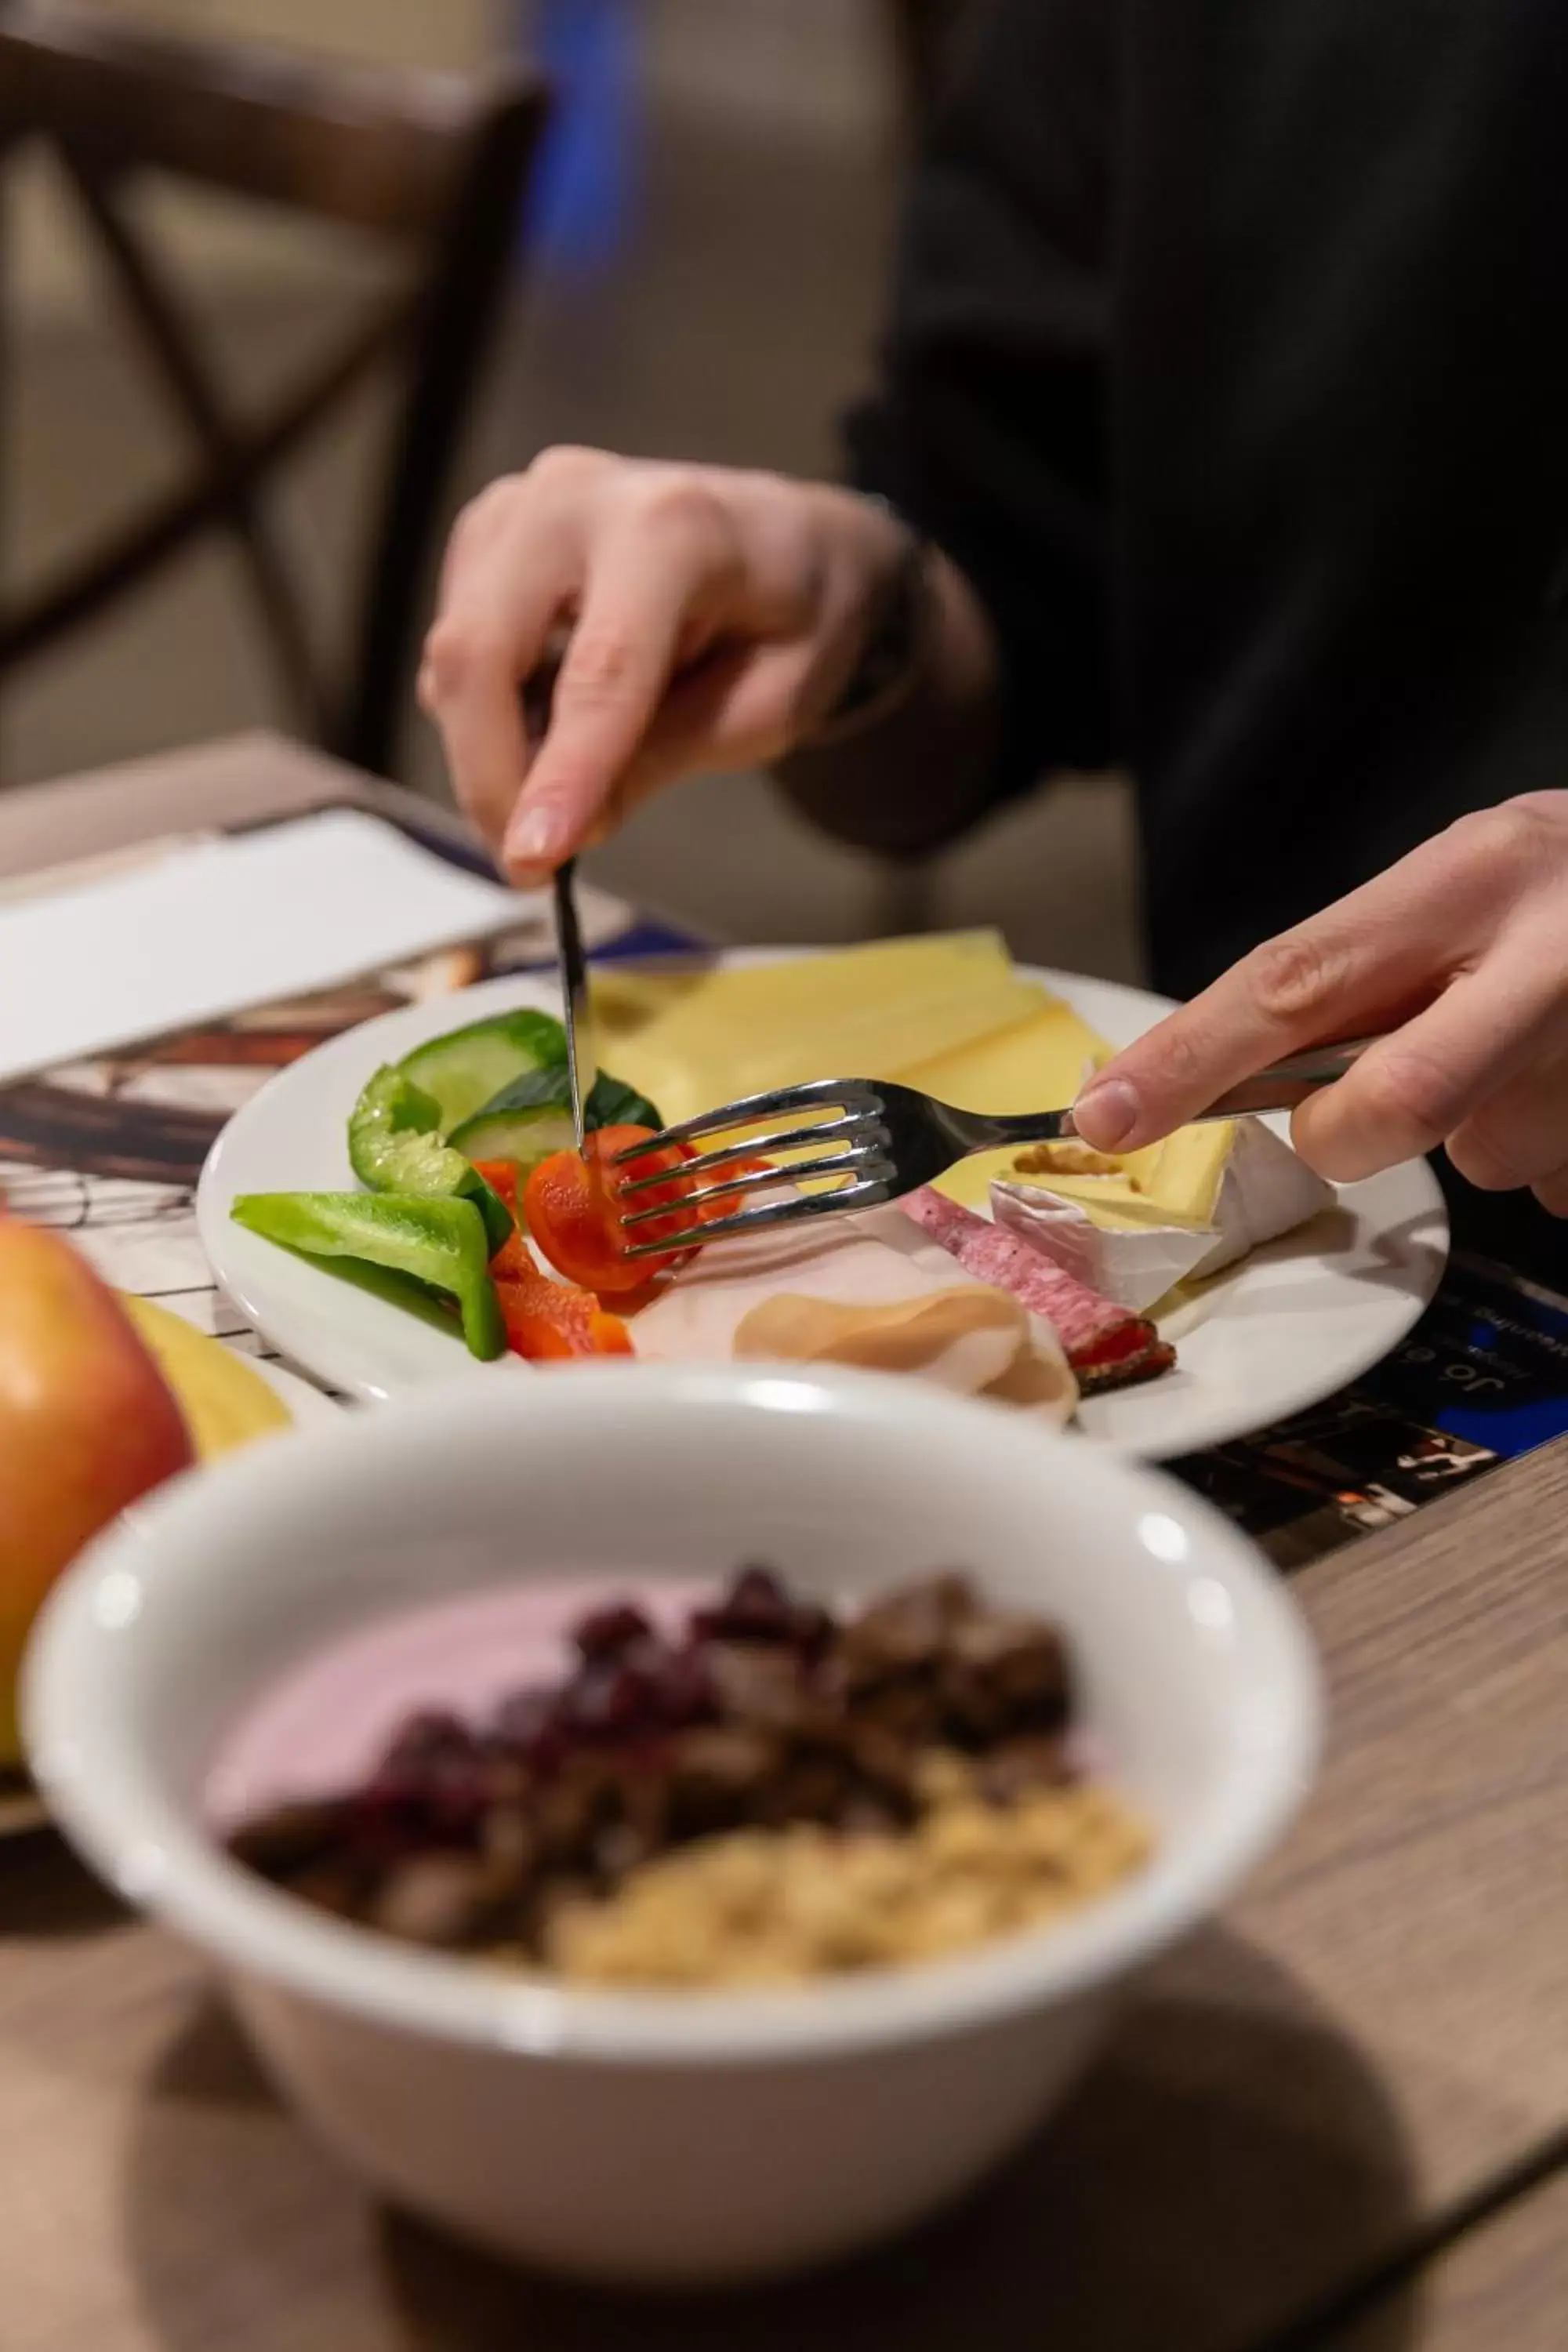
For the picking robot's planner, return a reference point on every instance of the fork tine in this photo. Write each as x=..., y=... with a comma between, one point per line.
x=865, y=1194
x=822, y=1131
x=851, y=1093
x=833, y=1163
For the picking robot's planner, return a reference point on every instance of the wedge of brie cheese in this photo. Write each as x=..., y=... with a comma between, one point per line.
x=1133, y=1228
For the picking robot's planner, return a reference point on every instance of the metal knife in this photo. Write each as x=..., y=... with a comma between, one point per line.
x=582, y=1055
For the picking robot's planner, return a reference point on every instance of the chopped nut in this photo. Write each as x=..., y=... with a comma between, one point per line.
x=434, y=1898
x=758, y=1683
x=912, y=1629
x=715, y=1777
x=774, y=1907
x=1023, y=1765
x=288, y=1839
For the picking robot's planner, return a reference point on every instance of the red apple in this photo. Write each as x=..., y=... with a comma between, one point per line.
x=87, y=1424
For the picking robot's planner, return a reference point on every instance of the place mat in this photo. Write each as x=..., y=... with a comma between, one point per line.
x=1482, y=1378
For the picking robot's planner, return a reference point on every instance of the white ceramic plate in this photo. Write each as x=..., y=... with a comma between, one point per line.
x=1291, y=1325
x=307, y=1404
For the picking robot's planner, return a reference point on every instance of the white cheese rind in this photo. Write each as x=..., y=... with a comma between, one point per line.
x=1266, y=1191
x=1133, y=1266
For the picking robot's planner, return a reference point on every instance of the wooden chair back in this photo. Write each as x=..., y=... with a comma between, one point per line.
x=439, y=163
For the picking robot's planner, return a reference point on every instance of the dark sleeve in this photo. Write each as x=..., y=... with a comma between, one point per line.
x=989, y=429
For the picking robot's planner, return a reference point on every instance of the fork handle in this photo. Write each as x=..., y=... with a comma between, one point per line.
x=1290, y=1082
x=1279, y=1087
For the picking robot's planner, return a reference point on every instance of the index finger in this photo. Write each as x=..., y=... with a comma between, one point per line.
x=1377, y=955
x=494, y=624
x=613, y=679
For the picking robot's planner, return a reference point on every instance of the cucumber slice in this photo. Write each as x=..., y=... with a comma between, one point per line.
x=527, y=1131
x=394, y=1147
x=468, y=1067
x=533, y=1117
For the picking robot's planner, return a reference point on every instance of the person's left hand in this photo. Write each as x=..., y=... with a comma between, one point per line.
x=1456, y=956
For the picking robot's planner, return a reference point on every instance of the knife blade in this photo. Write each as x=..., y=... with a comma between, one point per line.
x=581, y=1057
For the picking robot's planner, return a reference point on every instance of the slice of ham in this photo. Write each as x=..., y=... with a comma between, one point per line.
x=870, y=1290
x=1106, y=1346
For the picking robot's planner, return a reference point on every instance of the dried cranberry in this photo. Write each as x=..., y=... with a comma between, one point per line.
x=424, y=1737
x=609, y=1700
x=385, y=1818
x=683, y=1687
x=607, y=1633
x=531, y=1724
x=813, y=1629
x=456, y=1794
x=755, y=1609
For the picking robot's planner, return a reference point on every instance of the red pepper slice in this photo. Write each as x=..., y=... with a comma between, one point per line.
x=547, y=1320
x=572, y=1207
x=511, y=1261
x=500, y=1175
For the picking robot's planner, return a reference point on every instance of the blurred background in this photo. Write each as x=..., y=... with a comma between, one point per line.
x=700, y=273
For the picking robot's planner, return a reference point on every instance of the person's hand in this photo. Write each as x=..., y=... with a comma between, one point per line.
x=1457, y=956
x=714, y=617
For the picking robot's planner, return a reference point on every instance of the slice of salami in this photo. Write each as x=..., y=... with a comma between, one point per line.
x=1107, y=1345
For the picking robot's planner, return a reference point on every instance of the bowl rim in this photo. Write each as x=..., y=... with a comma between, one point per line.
x=141, y=1841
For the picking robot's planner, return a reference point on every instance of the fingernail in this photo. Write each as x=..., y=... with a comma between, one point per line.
x=535, y=842
x=1106, y=1115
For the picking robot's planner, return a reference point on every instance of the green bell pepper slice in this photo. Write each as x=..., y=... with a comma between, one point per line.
x=440, y=1243
x=394, y=1146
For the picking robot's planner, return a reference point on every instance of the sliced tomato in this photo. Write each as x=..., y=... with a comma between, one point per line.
x=728, y=1203
x=549, y=1321
x=572, y=1204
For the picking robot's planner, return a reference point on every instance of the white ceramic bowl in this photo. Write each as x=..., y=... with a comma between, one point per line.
x=669, y=2138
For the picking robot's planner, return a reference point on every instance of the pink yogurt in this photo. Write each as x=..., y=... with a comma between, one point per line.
x=324, y=1725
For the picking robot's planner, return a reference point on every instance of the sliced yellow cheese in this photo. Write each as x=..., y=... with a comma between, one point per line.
x=692, y=1040
x=947, y=1014
x=1033, y=1065
x=225, y=1403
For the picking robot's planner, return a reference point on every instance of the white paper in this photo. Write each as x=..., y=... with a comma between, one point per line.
x=224, y=924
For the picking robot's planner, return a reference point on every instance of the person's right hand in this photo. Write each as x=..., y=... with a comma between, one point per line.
x=715, y=618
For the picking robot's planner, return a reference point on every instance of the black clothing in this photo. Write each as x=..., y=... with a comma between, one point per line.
x=1229, y=358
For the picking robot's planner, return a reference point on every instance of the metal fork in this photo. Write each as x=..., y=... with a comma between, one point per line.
x=889, y=1141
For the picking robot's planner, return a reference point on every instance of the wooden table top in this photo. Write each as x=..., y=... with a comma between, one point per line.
x=1363, y=2064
